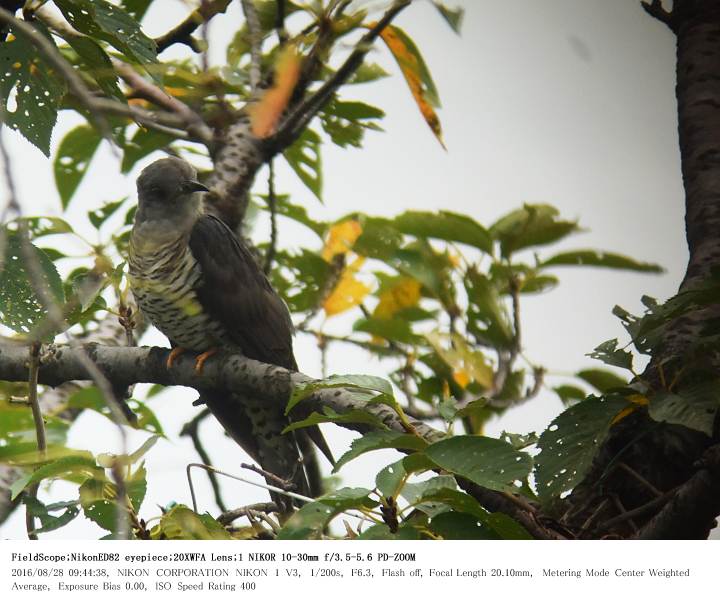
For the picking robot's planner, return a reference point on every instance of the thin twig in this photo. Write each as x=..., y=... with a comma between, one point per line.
x=272, y=205
x=191, y=429
x=638, y=511
x=255, y=41
x=650, y=487
x=269, y=476
x=122, y=510
x=230, y=516
x=656, y=10
x=33, y=371
x=205, y=35
x=595, y=514
x=280, y=22
x=623, y=512
x=182, y=33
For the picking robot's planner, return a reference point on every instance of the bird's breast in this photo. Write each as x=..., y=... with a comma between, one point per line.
x=164, y=281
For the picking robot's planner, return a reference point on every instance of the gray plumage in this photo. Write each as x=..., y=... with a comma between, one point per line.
x=201, y=286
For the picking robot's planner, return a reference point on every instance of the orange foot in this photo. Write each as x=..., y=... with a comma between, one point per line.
x=174, y=354
x=200, y=360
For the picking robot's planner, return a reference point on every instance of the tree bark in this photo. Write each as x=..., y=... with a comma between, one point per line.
x=671, y=456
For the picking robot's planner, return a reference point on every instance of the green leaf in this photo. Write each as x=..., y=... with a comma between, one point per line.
x=136, y=8
x=395, y=329
x=569, y=394
x=390, y=478
x=69, y=467
x=27, y=454
x=39, y=89
x=308, y=276
x=101, y=20
x=346, y=121
x=487, y=316
x=372, y=441
x=87, y=287
x=368, y=72
x=297, y=213
x=355, y=416
x=305, y=160
x=310, y=521
x=601, y=379
x=694, y=406
x=362, y=382
x=182, y=523
x=98, y=500
x=459, y=525
x=98, y=216
x=601, y=259
x=569, y=445
x=17, y=425
x=21, y=308
x=608, y=353
x=538, y=284
x=72, y=160
x=97, y=64
x=136, y=485
x=453, y=16
x=41, y=226
x=379, y=238
x=142, y=144
x=530, y=226
x=519, y=441
x=489, y=462
x=382, y=532
x=447, y=226
x=48, y=522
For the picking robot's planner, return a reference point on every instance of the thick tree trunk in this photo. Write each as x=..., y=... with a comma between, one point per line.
x=672, y=457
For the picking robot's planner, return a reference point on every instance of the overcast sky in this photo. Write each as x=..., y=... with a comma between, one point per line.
x=568, y=102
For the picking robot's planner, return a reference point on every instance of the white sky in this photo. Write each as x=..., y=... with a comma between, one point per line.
x=568, y=102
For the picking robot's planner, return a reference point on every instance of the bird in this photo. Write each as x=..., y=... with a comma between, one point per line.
x=201, y=286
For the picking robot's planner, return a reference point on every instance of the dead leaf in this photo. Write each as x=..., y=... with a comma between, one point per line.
x=265, y=114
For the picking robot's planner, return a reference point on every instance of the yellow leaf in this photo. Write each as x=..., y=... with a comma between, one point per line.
x=411, y=68
x=341, y=238
x=404, y=294
x=466, y=364
x=264, y=114
x=638, y=400
x=461, y=377
x=348, y=292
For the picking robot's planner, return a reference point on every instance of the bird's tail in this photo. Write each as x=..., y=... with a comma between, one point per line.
x=257, y=427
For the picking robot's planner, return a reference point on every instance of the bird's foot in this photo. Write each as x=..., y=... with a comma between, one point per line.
x=200, y=360
x=174, y=354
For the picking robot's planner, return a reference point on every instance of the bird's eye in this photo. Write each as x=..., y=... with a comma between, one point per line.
x=155, y=190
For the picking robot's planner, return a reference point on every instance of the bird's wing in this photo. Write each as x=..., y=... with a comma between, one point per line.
x=236, y=293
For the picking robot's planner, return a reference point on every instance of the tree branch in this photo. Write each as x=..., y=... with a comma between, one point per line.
x=255, y=42
x=656, y=10
x=97, y=107
x=299, y=118
x=691, y=512
x=182, y=33
x=228, y=372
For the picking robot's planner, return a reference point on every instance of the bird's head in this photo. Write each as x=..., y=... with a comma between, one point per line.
x=168, y=192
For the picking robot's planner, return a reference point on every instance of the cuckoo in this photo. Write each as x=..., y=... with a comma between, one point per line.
x=201, y=286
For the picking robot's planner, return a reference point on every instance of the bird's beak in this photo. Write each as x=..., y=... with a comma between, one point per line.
x=191, y=186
